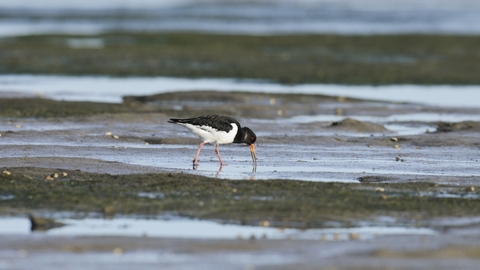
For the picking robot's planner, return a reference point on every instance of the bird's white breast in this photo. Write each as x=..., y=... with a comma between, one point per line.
x=212, y=135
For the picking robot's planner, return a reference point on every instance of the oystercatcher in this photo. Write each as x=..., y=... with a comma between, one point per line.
x=218, y=129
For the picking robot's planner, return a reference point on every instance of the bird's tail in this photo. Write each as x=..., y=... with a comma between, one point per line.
x=175, y=120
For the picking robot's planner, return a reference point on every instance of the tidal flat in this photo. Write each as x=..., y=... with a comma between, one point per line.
x=324, y=162
x=135, y=150
x=292, y=59
x=63, y=159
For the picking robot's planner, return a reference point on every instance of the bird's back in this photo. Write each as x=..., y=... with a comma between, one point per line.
x=218, y=122
x=217, y=129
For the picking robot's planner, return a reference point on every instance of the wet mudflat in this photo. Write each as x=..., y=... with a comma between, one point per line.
x=323, y=163
x=368, y=129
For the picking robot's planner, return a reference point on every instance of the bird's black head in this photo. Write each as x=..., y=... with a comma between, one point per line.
x=249, y=136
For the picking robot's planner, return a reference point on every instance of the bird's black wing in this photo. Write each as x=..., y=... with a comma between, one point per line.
x=218, y=122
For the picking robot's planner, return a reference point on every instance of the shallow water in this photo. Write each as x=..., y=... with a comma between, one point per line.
x=275, y=161
x=407, y=117
x=240, y=17
x=110, y=89
x=201, y=229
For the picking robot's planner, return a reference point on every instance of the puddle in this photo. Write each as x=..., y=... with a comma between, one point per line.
x=468, y=195
x=199, y=229
x=151, y=195
x=413, y=117
x=110, y=89
x=6, y=197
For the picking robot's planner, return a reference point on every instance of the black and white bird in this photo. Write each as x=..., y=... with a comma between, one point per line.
x=218, y=129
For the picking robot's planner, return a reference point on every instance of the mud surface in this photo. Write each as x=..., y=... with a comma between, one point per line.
x=69, y=159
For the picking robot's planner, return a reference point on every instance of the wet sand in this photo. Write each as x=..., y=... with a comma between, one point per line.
x=347, y=172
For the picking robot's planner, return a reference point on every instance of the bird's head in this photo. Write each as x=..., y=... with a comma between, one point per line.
x=250, y=138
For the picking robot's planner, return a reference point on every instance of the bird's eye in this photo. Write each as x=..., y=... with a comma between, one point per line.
x=252, y=138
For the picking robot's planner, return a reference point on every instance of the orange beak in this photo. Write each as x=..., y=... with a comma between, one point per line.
x=254, y=156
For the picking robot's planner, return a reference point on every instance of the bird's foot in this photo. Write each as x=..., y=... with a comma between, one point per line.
x=195, y=164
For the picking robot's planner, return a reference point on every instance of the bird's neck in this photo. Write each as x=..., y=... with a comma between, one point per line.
x=240, y=137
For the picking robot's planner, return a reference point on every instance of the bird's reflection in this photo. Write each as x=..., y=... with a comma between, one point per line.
x=217, y=174
x=254, y=169
x=219, y=170
x=195, y=167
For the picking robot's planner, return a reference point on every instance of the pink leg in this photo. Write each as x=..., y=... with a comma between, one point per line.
x=195, y=160
x=218, y=155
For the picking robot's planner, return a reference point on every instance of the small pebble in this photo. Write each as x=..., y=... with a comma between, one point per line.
x=6, y=172
x=379, y=189
x=471, y=188
x=117, y=251
x=22, y=252
x=394, y=139
x=397, y=146
x=383, y=197
x=108, y=210
x=354, y=236
x=108, y=133
x=65, y=174
x=264, y=223
x=116, y=137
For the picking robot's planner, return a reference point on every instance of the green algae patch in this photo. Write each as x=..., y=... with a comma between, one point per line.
x=339, y=59
x=282, y=202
